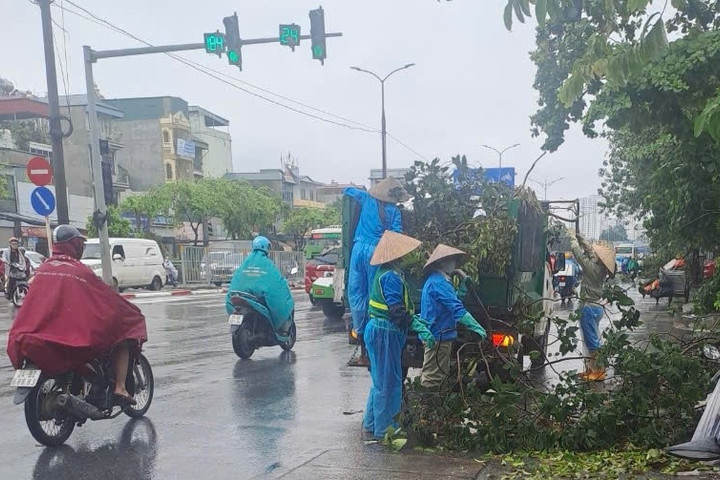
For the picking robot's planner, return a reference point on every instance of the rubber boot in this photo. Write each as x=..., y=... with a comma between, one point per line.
x=598, y=373
x=589, y=362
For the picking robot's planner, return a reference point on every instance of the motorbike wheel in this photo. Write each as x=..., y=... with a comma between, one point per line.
x=19, y=295
x=143, y=390
x=287, y=346
x=46, y=424
x=241, y=343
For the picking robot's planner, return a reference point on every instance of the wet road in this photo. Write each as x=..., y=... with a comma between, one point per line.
x=213, y=415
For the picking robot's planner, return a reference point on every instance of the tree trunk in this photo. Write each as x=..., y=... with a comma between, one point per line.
x=195, y=231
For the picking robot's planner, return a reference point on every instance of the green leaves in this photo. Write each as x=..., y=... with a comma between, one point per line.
x=541, y=10
x=709, y=119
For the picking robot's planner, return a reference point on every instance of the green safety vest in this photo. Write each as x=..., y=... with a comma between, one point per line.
x=378, y=307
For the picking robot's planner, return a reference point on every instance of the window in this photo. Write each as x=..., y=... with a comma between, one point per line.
x=151, y=252
x=118, y=250
x=302, y=194
x=168, y=171
x=166, y=136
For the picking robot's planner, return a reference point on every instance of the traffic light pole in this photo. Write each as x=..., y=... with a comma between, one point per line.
x=91, y=56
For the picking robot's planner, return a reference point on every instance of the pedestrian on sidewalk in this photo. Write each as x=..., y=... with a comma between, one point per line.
x=171, y=272
x=378, y=213
x=391, y=314
x=443, y=311
x=598, y=264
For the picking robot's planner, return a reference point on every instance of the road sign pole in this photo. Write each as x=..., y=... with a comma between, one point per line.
x=48, y=232
x=100, y=213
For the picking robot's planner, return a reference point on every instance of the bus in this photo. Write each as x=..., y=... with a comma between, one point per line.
x=321, y=239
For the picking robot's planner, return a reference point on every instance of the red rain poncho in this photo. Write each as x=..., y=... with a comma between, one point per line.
x=70, y=317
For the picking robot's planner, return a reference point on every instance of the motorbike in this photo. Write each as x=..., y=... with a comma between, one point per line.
x=251, y=326
x=56, y=404
x=22, y=284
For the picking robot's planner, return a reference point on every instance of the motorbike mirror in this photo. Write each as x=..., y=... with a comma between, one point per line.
x=294, y=271
x=711, y=351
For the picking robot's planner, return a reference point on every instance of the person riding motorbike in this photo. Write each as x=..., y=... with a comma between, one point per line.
x=378, y=213
x=259, y=276
x=70, y=317
x=11, y=257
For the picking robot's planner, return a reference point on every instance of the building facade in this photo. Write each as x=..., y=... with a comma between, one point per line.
x=213, y=130
x=294, y=189
x=376, y=174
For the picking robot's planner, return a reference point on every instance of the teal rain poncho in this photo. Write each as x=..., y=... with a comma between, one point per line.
x=259, y=276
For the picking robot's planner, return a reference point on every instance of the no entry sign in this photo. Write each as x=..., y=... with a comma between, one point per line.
x=39, y=171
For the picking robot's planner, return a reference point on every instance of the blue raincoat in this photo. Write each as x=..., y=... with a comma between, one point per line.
x=369, y=229
x=441, y=307
x=259, y=276
x=385, y=342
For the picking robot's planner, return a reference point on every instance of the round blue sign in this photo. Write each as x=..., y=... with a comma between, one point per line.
x=42, y=201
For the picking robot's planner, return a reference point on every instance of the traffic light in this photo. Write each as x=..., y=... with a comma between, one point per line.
x=108, y=190
x=317, y=35
x=232, y=40
x=290, y=35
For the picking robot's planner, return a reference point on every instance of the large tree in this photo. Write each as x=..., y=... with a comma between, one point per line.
x=299, y=221
x=608, y=64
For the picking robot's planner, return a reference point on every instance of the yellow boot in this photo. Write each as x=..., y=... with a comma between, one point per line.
x=595, y=373
x=589, y=366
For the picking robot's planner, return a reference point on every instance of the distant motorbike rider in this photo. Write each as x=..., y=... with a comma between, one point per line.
x=70, y=317
x=259, y=276
x=11, y=257
x=378, y=213
x=171, y=272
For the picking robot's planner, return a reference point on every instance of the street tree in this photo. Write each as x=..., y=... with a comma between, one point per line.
x=193, y=201
x=118, y=226
x=299, y=221
x=616, y=233
x=148, y=204
x=245, y=209
x=647, y=79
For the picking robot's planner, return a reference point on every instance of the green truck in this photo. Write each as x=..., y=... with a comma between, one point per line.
x=505, y=302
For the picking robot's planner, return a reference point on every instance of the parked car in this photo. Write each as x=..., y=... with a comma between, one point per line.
x=221, y=267
x=136, y=262
x=321, y=266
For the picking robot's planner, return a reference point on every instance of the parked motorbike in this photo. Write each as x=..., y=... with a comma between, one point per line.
x=55, y=404
x=251, y=326
x=22, y=284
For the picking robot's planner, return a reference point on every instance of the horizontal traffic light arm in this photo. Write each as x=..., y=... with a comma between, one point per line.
x=127, y=52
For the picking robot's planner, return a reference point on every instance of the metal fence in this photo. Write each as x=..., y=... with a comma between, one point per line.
x=217, y=264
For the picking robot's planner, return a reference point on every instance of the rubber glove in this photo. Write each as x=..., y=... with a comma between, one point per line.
x=464, y=287
x=419, y=326
x=468, y=321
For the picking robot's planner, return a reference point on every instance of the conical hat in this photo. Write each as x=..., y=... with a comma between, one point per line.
x=606, y=256
x=443, y=251
x=392, y=246
x=390, y=190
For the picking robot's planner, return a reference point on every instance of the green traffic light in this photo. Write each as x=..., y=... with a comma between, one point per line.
x=233, y=56
x=317, y=51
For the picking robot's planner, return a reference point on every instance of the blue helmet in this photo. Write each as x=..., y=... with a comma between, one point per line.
x=261, y=243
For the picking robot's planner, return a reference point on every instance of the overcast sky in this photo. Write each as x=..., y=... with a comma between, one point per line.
x=472, y=83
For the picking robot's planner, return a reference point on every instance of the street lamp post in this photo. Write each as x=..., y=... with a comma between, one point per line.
x=547, y=184
x=382, y=121
x=500, y=152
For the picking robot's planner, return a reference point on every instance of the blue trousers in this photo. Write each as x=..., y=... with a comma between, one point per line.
x=385, y=344
x=360, y=279
x=590, y=317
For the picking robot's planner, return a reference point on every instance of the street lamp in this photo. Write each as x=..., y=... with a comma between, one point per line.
x=546, y=184
x=383, y=125
x=500, y=152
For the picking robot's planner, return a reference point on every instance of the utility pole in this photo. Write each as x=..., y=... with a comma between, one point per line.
x=56, y=134
x=500, y=152
x=214, y=43
x=547, y=184
x=383, y=125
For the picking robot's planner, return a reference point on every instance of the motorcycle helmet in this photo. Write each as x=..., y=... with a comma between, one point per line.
x=13, y=240
x=261, y=243
x=65, y=233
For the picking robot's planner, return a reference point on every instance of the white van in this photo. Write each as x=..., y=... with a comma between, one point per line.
x=136, y=262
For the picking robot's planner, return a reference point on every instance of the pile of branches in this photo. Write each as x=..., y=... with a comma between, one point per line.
x=649, y=399
x=454, y=204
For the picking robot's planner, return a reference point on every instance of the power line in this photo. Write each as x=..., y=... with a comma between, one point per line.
x=217, y=75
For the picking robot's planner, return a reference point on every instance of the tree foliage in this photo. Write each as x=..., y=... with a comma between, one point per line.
x=245, y=209
x=616, y=233
x=299, y=221
x=118, y=226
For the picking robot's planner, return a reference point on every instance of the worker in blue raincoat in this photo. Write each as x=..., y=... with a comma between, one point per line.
x=443, y=311
x=378, y=213
x=391, y=317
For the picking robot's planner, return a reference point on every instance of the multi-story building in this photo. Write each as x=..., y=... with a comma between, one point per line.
x=592, y=220
x=213, y=130
x=330, y=193
x=161, y=145
x=294, y=189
